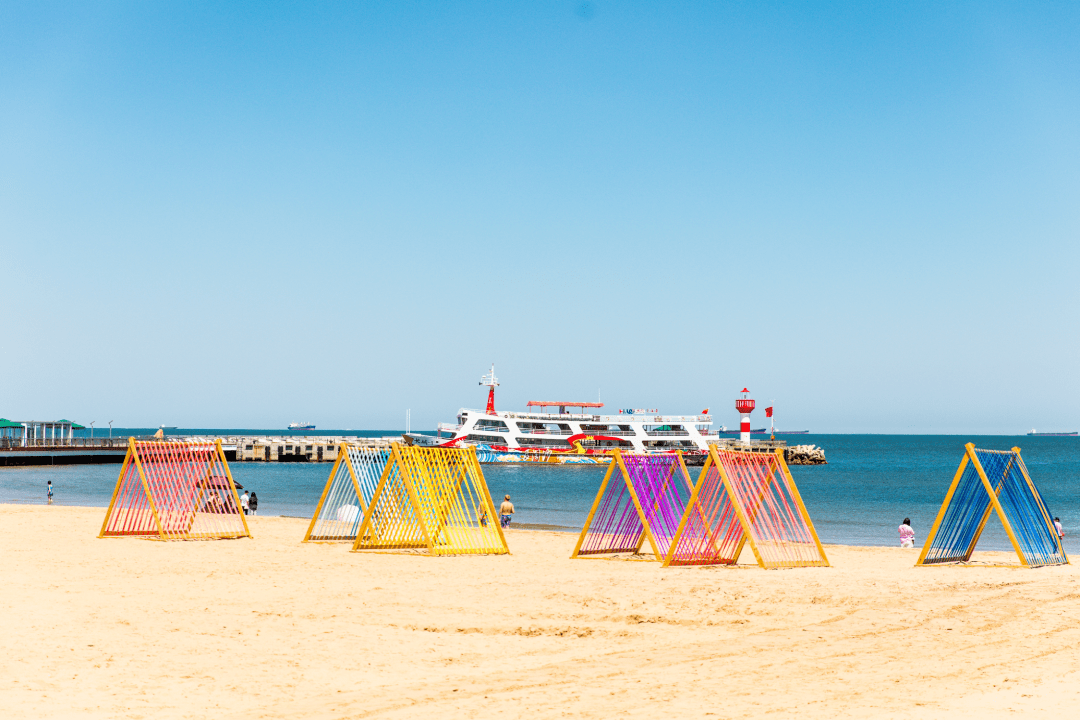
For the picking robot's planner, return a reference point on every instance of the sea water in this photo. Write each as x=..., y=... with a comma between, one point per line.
x=870, y=484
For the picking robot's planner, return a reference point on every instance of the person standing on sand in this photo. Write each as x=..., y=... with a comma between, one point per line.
x=48, y=490
x=253, y=503
x=505, y=511
x=244, y=500
x=907, y=535
x=1057, y=525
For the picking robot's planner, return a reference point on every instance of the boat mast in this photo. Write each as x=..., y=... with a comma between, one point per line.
x=492, y=382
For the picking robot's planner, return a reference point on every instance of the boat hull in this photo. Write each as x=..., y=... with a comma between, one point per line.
x=489, y=455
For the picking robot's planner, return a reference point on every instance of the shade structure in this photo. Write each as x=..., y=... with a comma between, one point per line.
x=175, y=491
x=347, y=493
x=641, y=498
x=993, y=480
x=431, y=499
x=740, y=497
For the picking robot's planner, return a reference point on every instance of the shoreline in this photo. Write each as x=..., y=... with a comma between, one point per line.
x=536, y=527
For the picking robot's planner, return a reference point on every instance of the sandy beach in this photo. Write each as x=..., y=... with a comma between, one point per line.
x=272, y=628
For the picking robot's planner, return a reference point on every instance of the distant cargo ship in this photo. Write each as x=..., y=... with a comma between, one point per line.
x=1046, y=434
x=301, y=426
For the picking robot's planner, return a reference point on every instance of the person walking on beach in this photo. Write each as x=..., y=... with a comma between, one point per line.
x=505, y=511
x=244, y=500
x=253, y=503
x=907, y=535
x=1057, y=526
x=48, y=489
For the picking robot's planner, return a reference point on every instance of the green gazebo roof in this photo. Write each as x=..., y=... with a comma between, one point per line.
x=5, y=423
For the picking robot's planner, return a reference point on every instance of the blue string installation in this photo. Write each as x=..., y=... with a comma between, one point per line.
x=993, y=480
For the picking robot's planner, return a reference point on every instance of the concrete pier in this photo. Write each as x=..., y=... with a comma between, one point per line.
x=299, y=449
x=81, y=451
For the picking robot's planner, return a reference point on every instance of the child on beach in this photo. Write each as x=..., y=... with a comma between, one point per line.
x=505, y=511
x=1057, y=526
x=48, y=487
x=907, y=535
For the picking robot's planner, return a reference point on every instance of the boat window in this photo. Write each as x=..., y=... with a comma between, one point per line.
x=542, y=442
x=491, y=425
x=524, y=425
x=486, y=439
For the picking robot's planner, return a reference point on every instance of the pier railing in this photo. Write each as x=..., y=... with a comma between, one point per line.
x=79, y=442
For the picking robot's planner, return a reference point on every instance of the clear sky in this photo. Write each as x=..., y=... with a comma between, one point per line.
x=246, y=214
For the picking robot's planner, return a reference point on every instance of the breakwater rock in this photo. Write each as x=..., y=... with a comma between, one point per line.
x=804, y=455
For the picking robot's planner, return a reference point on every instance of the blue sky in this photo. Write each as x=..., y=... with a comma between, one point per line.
x=246, y=214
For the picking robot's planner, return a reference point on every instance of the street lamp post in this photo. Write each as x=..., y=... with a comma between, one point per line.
x=110, y=429
x=92, y=431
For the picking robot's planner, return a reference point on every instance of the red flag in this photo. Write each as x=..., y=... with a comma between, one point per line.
x=768, y=412
x=705, y=411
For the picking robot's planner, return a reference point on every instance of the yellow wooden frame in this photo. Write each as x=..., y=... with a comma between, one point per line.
x=694, y=503
x=624, y=475
x=993, y=493
x=435, y=482
x=342, y=456
x=132, y=456
x=745, y=521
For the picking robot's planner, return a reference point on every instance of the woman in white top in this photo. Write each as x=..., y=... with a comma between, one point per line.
x=907, y=535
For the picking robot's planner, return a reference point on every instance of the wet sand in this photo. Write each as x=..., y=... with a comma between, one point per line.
x=272, y=628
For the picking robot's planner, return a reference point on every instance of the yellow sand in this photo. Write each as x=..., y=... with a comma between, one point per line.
x=127, y=628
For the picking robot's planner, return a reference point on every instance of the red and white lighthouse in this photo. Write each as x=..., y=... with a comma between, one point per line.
x=745, y=406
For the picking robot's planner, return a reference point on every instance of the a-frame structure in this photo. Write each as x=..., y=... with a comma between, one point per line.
x=740, y=497
x=347, y=493
x=641, y=498
x=433, y=499
x=994, y=480
x=175, y=491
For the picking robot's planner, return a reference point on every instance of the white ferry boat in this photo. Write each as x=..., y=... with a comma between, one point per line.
x=301, y=426
x=571, y=437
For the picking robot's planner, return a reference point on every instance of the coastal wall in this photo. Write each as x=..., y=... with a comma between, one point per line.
x=804, y=455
